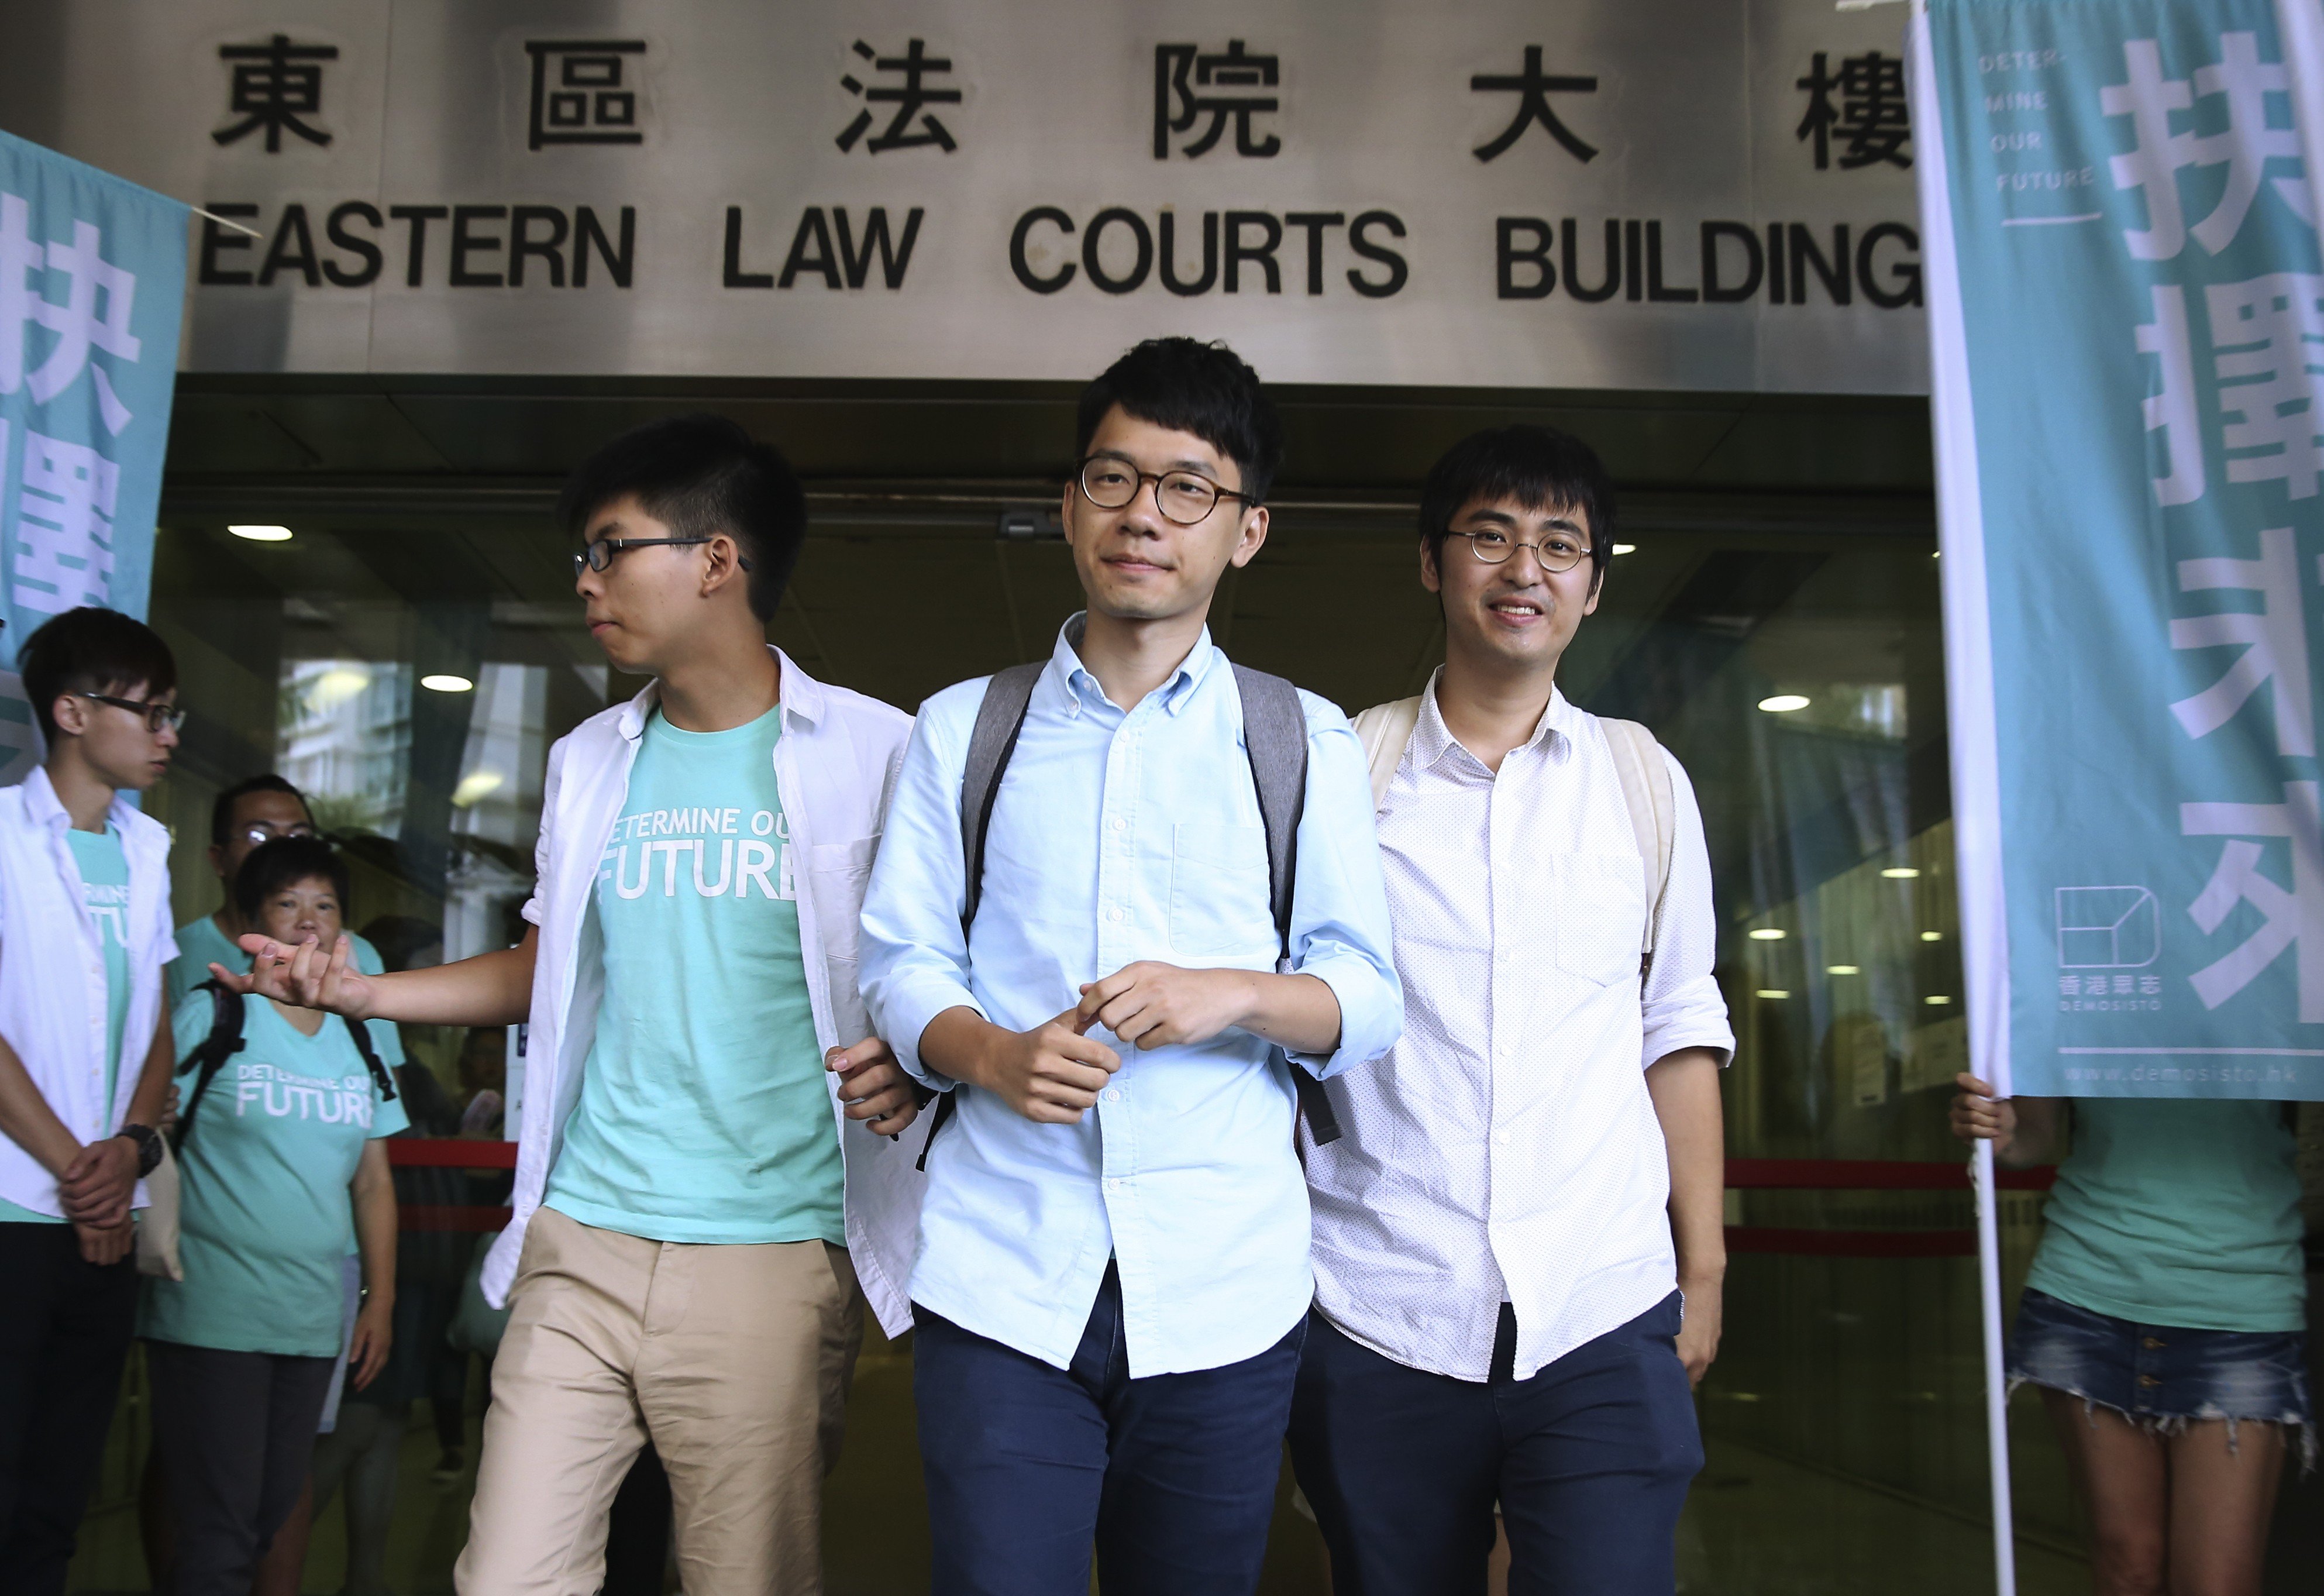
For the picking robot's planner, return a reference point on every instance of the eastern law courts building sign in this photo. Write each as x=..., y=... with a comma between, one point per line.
x=1684, y=194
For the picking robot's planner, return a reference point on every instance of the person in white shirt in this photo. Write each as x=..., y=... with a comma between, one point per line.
x=1519, y=1243
x=85, y=1061
x=705, y=1168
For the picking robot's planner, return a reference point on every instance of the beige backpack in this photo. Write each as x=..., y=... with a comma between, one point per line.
x=1385, y=728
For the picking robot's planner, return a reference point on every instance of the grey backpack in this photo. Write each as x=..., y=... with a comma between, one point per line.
x=1274, y=740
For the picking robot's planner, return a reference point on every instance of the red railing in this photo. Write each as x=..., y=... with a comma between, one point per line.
x=1760, y=1174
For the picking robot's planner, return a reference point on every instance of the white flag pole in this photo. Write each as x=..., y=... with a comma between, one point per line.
x=1996, y=1379
x=1973, y=734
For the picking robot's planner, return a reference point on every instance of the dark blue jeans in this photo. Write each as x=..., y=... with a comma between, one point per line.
x=1589, y=1459
x=1173, y=1476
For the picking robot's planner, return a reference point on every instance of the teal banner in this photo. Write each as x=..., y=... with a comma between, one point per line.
x=2129, y=341
x=92, y=285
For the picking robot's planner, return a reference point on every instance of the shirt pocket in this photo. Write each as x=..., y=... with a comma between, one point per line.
x=838, y=874
x=1218, y=890
x=1597, y=903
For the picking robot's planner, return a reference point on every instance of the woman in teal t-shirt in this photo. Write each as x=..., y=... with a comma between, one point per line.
x=282, y=1169
x=2165, y=1320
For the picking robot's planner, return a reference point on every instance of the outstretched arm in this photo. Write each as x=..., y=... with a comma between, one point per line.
x=490, y=989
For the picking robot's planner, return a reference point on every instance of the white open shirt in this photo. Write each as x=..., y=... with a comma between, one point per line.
x=1506, y=1149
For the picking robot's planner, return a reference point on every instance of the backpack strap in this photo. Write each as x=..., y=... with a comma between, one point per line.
x=998, y=719
x=990, y=743
x=380, y=1078
x=1385, y=729
x=1647, y=789
x=222, y=1043
x=1275, y=741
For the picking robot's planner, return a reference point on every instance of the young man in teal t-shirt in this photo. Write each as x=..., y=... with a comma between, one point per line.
x=694, y=1212
x=84, y=1062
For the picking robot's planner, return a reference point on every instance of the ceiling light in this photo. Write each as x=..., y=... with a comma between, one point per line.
x=1937, y=998
x=446, y=682
x=1842, y=970
x=258, y=534
x=1767, y=934
x=1900, y=872
x=475, y=786
x=1626, y=549
x=1933, y=936
x=1784, y=703
x=335, y=685
x=1773, y=992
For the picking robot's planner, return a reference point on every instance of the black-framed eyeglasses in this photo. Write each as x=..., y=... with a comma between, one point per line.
x=1185, y=497
x=600, y=554
x=159, y=717
x=1558, y=551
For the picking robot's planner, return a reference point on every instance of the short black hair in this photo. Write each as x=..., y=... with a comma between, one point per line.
x=282, y=862
x=92, y=650
x=700, y=475
x=1204, y=389
x=1540, y=467
x=222, y=807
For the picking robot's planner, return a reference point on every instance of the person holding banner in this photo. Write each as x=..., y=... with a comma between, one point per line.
x=84, y=1064
x=1519, y=1243
x=2164, y=1320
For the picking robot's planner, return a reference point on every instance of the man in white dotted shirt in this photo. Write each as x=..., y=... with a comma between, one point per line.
x=1518, y=1244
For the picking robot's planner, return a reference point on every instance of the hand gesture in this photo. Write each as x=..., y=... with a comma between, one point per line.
x=1052, y=1074
x=1154, y=1005
x=1977, y=1115
x=105, y=1244
x=873, y=1086
x=304, y=977
x=374, y=1338
x=95, y=1188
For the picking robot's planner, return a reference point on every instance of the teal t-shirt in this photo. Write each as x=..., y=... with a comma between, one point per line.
x=704, y=1115
x=2178, y=1211
x=105, y=888
x=200, y=944
x=265, y=1217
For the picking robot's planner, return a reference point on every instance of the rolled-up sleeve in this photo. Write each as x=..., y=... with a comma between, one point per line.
x=915, y=950
x=1339, y=930
x=1682, y=1006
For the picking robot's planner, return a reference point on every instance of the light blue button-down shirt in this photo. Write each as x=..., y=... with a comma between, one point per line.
x=1120, y=835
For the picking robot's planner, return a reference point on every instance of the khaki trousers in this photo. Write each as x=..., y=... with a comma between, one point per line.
x=735, y=1360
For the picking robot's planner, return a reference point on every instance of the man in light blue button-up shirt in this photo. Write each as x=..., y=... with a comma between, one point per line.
x=1112, y=1279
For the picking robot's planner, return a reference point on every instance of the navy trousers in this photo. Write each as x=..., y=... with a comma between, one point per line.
x=1172, y=1477
x=1589, y=1461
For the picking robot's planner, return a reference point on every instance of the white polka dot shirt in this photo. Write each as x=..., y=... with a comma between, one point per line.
x=1507, y=1149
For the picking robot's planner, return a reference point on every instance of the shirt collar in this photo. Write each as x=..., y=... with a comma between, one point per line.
x=43, y=808
x=1432, y=740
x=1082, y=687
x=798, y=694
x=40, y=800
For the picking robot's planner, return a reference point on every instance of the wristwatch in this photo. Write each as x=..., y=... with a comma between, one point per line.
x=149, y=1146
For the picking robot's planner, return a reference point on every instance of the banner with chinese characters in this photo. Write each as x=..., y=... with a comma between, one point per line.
x=2127, y=314
x=92, y=282
x=1689, y=194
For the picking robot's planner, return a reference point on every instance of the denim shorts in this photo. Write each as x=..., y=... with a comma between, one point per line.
x=2160, y=1375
